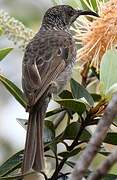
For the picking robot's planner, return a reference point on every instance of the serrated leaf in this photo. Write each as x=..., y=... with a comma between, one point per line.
x=13, y=89
x=108, y=69
x=73, y=105
x=78, y=91
x=4, y=52
x=11, y=164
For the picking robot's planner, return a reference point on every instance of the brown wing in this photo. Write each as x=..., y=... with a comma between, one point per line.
x=44, y=60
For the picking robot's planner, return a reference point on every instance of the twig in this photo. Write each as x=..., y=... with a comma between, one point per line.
x=102, y=170
x=63, y=175
x=95, y=141
x=60, y=159
x=60, y=166
x=75, y=142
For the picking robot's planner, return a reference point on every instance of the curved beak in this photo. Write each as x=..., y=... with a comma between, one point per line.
x=82, y=12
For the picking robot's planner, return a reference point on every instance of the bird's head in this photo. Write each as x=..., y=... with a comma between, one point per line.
x=62, y=16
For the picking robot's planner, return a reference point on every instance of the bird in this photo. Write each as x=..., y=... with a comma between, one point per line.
x=46, y=68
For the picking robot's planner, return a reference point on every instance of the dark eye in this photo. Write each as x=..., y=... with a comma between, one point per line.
x=70, y=12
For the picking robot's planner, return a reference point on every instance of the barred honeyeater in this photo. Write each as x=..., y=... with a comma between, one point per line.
x=47, y=66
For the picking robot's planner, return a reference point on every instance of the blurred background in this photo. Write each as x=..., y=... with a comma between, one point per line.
x=12, y=135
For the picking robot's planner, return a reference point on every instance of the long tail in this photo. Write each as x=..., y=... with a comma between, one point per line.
x=34, y=149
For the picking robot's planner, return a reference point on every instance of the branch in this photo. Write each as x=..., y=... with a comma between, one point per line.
x=60, y=166
x=102, y=170
x=95, y=141
x=75, y=142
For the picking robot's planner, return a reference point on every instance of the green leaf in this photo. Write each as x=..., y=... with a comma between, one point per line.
x=85, y=136
x=94, y=4
x=13, y=89
x=79, y=91
x=53, y=112
x=49, y=135
x=72, y=130
x=66, y=95
x=88, y=5
x=4, y=52
x=110, y=177
x=108, y=71
x=111, y=138
x=11, y=164
x=96, y=97
x=49, y=131
x=73, y=105
x=69, y=163
x=68, y=154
